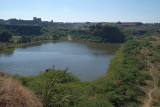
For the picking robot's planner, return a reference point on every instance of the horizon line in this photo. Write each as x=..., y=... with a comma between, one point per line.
x=85, y=21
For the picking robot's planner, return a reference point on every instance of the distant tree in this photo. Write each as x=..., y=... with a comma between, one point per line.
x=5, y=36
x=119, y=22
x=99, y=26
x=92, y=27
x=21, y=30
x=139, y=23
x=25, y=39
x=108, y=33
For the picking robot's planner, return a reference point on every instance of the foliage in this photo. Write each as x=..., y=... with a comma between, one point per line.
x=136, y=31
x=50, y=86
x=5, y=36
x=99, y=33
x=157, y=48
x=25, y=39
x=95, y=33
x=20, y=30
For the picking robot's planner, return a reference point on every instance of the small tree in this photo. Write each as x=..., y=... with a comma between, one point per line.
x=25, y=39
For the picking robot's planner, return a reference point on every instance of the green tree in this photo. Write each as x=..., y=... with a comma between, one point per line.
x=25, y=39
x=5, y=36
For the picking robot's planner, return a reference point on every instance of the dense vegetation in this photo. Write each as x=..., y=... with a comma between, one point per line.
x=20, y=30
x=94, y=33
x=99, y=33
x=5, y=36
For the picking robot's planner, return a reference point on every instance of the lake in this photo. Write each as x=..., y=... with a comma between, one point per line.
x=88, y=61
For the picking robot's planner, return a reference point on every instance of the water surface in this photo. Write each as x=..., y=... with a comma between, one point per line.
x=88, y=61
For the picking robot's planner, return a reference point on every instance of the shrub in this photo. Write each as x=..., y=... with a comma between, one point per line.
x=13, y=94
x=5, y=36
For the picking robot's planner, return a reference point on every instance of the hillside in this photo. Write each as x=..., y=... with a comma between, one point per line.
x=151, y=55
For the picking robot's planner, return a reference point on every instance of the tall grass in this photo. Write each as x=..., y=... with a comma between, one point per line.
x=13, y=94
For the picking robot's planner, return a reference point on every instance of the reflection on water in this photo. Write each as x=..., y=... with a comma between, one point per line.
x=88, y=61
x=6, y=53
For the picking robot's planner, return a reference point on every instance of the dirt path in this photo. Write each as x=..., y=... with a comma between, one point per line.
x=69, y=38
x=148, y=102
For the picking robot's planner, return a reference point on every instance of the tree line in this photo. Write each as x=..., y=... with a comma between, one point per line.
x=93, y=33
x=20, y=30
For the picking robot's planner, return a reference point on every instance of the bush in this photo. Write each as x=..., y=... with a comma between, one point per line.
x=5, y=36
x=15, y=95
x=25, y=39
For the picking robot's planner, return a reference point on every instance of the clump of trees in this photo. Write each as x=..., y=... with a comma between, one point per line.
x=24, y=39
x=20, y=30
x=5, y=36
x=93, y=33
x=107, y=33
x=99, y=33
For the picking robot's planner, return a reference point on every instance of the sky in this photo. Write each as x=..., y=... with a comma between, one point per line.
x=146, y=11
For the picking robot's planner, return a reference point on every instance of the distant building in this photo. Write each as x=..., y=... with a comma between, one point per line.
x=29, y=22
x=37, y=19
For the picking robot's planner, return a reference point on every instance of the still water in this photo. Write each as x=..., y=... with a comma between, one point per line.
x=88, y=61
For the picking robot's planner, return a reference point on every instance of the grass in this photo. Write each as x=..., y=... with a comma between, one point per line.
x=15, y=38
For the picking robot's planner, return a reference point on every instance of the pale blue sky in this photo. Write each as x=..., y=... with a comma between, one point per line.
x=82, y=10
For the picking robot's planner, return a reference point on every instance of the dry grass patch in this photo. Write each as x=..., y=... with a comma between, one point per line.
x=13, y=94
